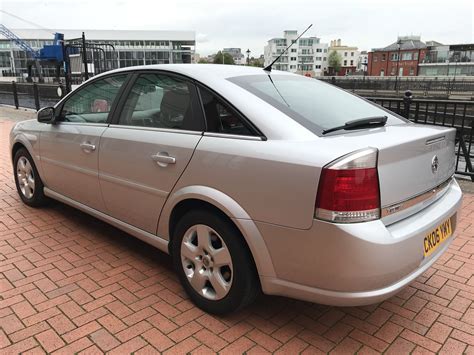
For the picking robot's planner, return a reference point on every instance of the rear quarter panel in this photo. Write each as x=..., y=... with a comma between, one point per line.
x=273, y=181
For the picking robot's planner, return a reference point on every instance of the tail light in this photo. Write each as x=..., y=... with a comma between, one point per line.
x=348, y=190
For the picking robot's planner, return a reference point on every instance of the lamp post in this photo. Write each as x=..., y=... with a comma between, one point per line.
x=455, y=67
x=399, y=45
x=364, y=64
x=248, y=56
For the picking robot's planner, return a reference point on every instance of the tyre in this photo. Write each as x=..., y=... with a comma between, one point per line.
x=27, y=180
x=213, y=262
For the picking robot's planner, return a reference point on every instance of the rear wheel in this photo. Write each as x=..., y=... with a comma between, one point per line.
x=213, y=263
x=27, y=179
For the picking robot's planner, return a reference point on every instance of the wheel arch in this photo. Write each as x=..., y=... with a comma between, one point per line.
x=21, y=141
x=16, y=147
x=192, y=197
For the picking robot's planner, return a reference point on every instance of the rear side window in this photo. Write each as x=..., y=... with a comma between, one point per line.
x=311, y=103
x=92, y=103
x=220, y=117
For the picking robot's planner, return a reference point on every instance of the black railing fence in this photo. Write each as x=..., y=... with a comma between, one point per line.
x=29, y=95
x=447, y=113
x=422, y=86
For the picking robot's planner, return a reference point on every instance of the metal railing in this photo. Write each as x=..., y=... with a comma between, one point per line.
x=423, y=86
x=446, y=113
x=30, y=95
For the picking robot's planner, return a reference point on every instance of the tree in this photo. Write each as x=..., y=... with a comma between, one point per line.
x=227, y=58
x=256, y=62
x=334, y=61
x=202, y=61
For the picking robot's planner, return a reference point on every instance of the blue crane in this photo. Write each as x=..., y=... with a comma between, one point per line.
x=51, y=53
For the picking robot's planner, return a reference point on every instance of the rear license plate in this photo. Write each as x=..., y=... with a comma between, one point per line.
x=436, y=237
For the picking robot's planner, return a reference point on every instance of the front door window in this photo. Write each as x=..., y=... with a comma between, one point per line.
x=92, y=103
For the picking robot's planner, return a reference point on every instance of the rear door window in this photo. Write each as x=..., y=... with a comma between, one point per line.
x=161, y=101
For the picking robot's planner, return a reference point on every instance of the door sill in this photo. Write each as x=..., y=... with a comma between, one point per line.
x=157, y=242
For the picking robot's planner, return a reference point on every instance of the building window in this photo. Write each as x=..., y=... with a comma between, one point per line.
x=407, y=56
x=392, y=70
x=382, y=72
x=394, y=57
x=352, y=62
x=293, y=50
x=375, y=57
x=306, y=42
x=324, y=58
x=292, y=66
x=318, y=58
x=384, y=56
x=293, y=58
x=345, y=54
x=412, y=71
x=319, y=50
x=345, y=62
x=325, y=50
x=352, y=54
x=415, y=56
x=317, y=67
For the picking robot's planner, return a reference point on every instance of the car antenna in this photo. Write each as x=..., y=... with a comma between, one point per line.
x=269, y=67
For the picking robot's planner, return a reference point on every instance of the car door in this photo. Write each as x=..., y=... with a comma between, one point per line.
x=142, y=155
x=69, y=148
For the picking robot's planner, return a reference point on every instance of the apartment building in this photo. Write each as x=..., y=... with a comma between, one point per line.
x=308, y=56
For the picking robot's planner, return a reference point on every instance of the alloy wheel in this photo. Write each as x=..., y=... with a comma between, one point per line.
x=26, y=177
x=207, y=262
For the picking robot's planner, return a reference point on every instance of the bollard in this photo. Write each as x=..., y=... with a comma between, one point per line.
x=36, y=96
x=15, y=94
x=407, y=99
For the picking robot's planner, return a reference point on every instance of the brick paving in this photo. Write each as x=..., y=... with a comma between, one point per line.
x=72, y=284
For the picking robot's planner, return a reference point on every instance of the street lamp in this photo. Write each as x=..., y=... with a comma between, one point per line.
x=399, y=45
x=364, y=64
x=248, y=56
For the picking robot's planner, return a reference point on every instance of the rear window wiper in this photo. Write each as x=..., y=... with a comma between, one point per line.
x=367, y=122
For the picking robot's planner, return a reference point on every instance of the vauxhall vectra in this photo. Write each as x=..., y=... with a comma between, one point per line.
x=253, y=180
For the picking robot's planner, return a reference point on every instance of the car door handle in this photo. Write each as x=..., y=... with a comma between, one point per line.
x=163, y=159
x=87, y=147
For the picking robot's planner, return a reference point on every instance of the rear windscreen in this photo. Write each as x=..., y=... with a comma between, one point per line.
x=312, y=103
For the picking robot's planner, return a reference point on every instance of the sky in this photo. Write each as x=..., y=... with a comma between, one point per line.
x=249, y=24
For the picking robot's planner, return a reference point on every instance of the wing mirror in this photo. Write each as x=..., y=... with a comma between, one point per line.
x=46, y=115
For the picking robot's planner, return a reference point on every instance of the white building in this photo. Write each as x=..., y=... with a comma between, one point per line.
x=307, y=57
x=349, y=57
x=121, y=48
x=363, y=61
x=237, y=55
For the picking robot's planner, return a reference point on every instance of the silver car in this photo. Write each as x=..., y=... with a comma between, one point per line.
x=252, y=180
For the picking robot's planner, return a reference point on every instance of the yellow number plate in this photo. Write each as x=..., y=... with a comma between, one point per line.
x=436, y=237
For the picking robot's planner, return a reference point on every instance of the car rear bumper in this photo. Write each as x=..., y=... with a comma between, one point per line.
x=356, y=264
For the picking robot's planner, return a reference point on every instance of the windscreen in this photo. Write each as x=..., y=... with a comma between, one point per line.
x=312, y=103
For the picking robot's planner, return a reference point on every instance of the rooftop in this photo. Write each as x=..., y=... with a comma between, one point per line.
x=405, y=44
x=107, y=35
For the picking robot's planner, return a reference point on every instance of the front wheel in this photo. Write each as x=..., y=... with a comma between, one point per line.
x=27, y=180
x=213, y=263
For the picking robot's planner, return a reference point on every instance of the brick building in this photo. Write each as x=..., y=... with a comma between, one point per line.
x=402, y=57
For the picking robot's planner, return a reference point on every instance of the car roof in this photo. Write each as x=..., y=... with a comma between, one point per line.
x=255, y=109
x=200, y=71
